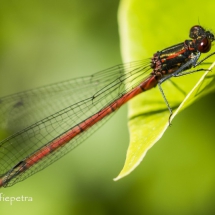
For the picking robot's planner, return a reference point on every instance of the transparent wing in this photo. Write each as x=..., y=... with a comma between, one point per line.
x=37, y=117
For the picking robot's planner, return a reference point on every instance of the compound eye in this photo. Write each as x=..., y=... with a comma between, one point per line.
x=196, y=31
x=204, y=45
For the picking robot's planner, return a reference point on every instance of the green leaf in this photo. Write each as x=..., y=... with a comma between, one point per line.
x=144, y=28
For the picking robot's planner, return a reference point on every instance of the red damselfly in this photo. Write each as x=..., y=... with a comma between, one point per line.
x=50, y=121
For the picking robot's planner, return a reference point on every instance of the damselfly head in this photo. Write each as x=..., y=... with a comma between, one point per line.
x=202, y=38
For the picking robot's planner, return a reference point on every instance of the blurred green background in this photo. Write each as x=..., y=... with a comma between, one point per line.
x=42, y=42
